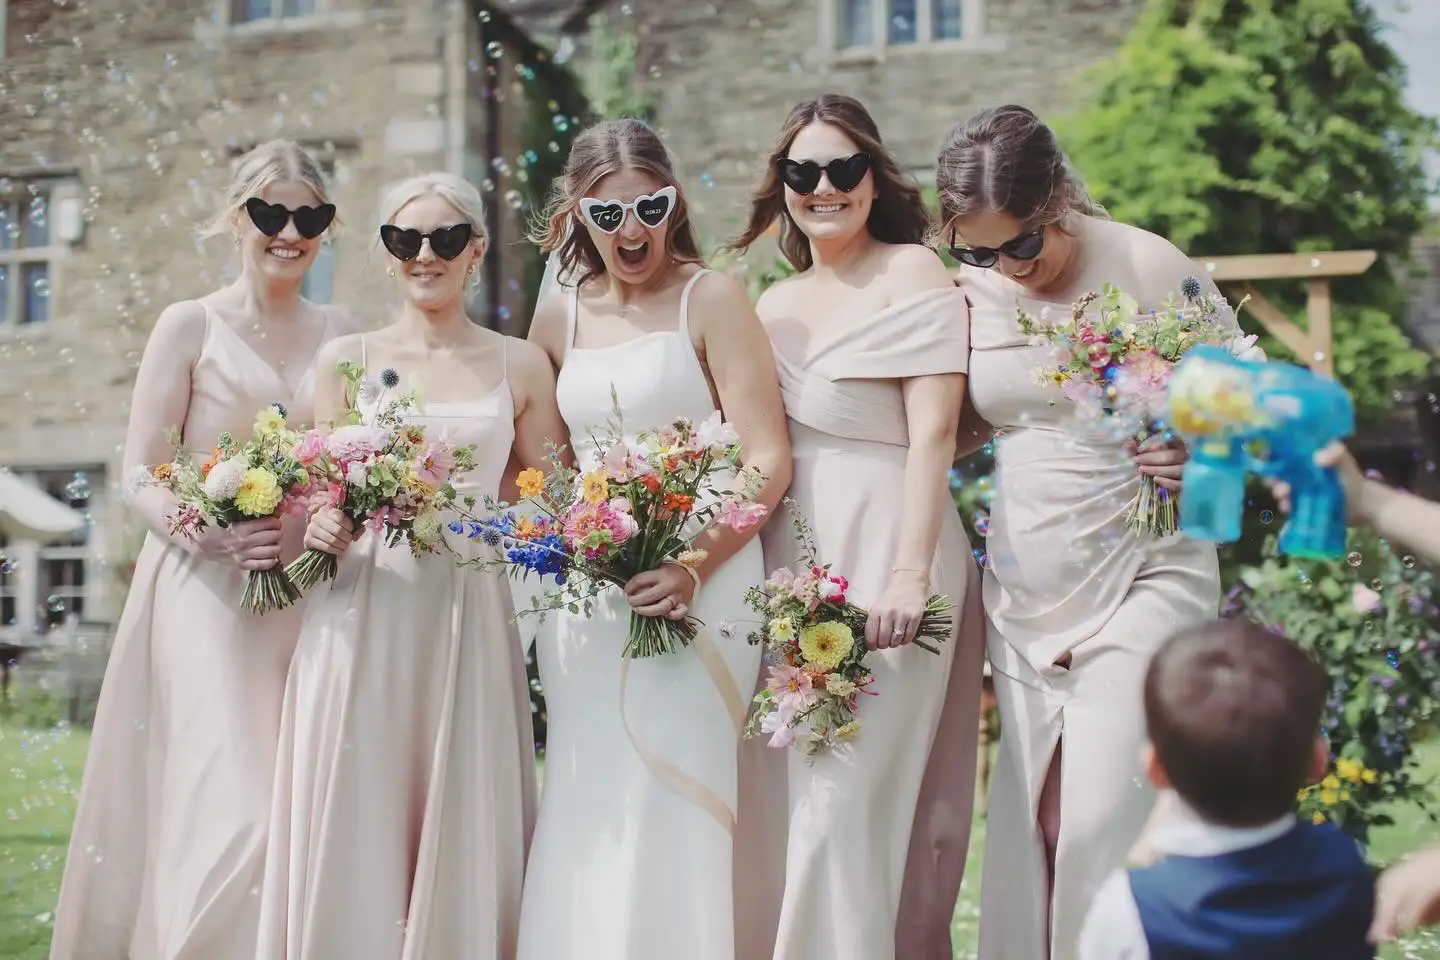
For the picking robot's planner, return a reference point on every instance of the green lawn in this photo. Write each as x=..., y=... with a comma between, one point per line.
x=42, y=772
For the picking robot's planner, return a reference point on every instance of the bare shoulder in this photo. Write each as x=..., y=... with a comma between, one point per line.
x=910, y=268
x=342, y=321
x=180, y=328
x=528, y=362
x=337, y=350
x=548, y=325
x=1155, y=265
x=780, y=294
x=718, y=291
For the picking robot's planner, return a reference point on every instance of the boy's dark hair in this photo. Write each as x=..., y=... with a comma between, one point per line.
x=1233, y=711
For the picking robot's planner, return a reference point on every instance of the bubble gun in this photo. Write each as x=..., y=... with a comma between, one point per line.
x=1269, y=418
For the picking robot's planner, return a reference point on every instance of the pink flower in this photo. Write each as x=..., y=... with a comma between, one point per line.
x=335, y=495
x=623, y=464
x=1364, y=599
x=376, y=521
x=791, y=687
x=1089, y=335
x=435, y=464
x=740, y=516
x=713, y=431
x=832, y=589
x=358, y=441
x=308, y=450
x=593, y=528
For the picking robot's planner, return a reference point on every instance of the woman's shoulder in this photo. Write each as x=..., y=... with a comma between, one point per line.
x=1148, y=257
x=910, y=268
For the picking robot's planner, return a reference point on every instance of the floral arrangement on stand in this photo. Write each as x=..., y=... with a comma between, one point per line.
x=814, y=640
x=250, y=480
x=384, y=472
x=1373, y=624
x=644, y=504
x=1113, y=362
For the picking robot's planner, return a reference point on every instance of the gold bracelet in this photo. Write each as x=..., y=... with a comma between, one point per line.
x=923, y=574
x=694, y=575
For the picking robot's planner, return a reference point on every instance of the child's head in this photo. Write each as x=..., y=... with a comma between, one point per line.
x=1233, y=713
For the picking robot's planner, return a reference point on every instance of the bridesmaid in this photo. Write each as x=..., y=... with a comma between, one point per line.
x=633, y=849
x=405, y=788
x=1076, y=601
x=169, y=838
x=871, y=342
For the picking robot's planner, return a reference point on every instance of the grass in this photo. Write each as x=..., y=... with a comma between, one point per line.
x=42, y=772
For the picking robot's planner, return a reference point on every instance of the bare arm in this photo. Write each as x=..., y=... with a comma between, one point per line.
x=742, y=366
x=537, y=417
x=549, y=329
x=1401, y=517
x=161, y=402
x=330, y=401
x=973, y=432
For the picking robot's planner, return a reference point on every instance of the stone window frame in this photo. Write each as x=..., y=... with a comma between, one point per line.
x=64, y=227
x=329, y=14
x=976, y=35
x=27, y=585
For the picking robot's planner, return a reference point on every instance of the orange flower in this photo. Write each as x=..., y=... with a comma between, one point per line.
x=208, y=465
x=680, y=502
x=651, y=481
x=162, y=471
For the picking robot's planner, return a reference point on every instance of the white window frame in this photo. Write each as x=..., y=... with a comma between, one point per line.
x=975, y=35
x=328, y=166
x=27, y=583
x=328, y=14
x=61, y=195
x=10, y=583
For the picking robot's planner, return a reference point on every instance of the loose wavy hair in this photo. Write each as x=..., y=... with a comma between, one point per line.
x=599, y=151
x=898, y=214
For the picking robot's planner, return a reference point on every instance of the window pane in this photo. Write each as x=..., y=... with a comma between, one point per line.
x=35, y=292
x=947, y=19
x=319, y=283
x=901, y=26
x=9, y=225
x=35, y=227
x=297, y=8
x=5, y=294
x=245, y=11
x=857, y=23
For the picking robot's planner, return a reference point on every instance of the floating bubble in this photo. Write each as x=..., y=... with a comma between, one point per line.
x=1407, y=561
x=514, y=200
x=78, y=489
x=1354, y=559
x=1392, y=657
x=560, y=122
x=55, y=604
x=1267, y=516
x=495, y=49
x=1377, y=584
x=8, y=565
x=982, y=523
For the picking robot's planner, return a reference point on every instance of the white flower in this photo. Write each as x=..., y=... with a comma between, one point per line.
x=356, y=475
x=714, y=432
x=225, y=479
x=1243, y=347
x=426, y=528
x=829, y=589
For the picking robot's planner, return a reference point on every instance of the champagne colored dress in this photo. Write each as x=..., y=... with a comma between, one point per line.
x=850, y=814
x=1065, y=575
x=633, y=850
x=167, y=852
x=405, y=788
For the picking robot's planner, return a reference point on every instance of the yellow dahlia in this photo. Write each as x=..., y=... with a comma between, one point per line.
x=826, y=645
x=259, y=493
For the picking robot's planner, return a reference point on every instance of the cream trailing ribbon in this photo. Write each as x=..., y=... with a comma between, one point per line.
x=668, y=773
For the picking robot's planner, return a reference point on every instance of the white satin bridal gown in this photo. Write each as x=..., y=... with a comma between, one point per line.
x=632, y=852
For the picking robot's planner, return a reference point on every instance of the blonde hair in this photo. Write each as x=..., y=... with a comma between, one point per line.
x=272, y=162
x=607, y=148
x=456, y=191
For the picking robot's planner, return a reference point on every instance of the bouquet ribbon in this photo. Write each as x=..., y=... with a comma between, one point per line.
x=682, y=783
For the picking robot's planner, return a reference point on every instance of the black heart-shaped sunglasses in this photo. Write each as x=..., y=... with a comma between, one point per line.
x=270, y=218
x=1027, y=246
x=447, y=243
x=844, y=173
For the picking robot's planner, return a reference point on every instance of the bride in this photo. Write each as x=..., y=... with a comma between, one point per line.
x=632, y=851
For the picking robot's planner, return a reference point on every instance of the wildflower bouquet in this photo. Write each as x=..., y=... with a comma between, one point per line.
x=814, y=638
x=1114, y=361
x=384, y=473
x=246, y=480
x=643, y=506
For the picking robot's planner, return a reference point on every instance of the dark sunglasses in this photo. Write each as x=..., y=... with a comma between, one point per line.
x=1027, y=246
x=270, y=218
x=608, y=216
x=844, y=173
x=447, y=243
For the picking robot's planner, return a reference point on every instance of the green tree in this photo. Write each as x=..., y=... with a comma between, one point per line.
x=1270, y=126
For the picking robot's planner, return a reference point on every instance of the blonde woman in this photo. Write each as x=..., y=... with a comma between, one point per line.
x=169, y=837
x=634, y=843
x=406, y=783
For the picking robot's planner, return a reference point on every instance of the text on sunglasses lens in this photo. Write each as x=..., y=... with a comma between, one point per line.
x=608, y=216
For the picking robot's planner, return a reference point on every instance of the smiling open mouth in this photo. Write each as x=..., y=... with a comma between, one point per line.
x=283, y=253
x=634, y=256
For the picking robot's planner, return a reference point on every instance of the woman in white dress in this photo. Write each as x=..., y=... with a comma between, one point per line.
x=405, y=789
x=632, y=853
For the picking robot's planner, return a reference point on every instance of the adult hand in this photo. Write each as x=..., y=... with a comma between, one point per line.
x=667, y=591
x=1407, y=896
x=249, y=544
x=1351, y=479
x=1161, y=459
x=329, y=532
x=895, y=619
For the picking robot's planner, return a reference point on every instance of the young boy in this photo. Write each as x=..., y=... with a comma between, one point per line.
x=1233, y=715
